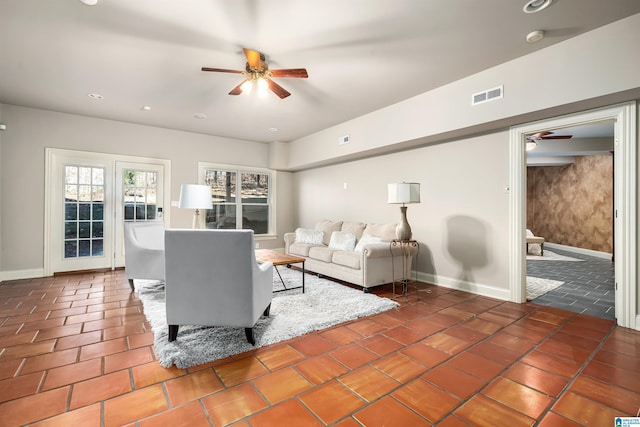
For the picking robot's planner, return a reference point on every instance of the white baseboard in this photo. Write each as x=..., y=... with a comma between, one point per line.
x=21, y=274
x=582, y=251
x=462, y=285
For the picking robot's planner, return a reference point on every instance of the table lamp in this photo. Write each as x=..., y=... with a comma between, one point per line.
x=196, y=197
x=404, y=192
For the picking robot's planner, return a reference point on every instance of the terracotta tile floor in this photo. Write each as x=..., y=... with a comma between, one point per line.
x=77, y=350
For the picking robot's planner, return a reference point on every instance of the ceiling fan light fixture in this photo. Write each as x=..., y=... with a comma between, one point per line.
x=533, y=6
x=263, y=86
x=531, y=145
x=247, y=86
x=257, y=73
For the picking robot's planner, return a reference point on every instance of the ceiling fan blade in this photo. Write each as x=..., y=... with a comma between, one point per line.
x=557, y=137
x=277, y=89
x=222, y=70
x=550, y=135
x=253, y=58
x=238, y=89
x=539, y=135
x=292, y=72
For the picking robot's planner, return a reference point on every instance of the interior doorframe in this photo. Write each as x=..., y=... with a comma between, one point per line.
x=52, y=155
x=625, y=203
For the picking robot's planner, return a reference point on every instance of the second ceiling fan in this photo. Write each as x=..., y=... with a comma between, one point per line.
x=257, y=72
x=532, y=140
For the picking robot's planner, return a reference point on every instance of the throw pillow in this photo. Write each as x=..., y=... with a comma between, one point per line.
x=387, y=232
x=365, y=240
x=328, y=227
x=310, y=236
x=342, y=241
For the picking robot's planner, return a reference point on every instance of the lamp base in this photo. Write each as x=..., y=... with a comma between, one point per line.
x=403, y=230
x=196, y=220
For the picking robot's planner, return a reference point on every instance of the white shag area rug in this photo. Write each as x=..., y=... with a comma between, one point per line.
x=537, y=286
x=551, y=256
x=293, y=313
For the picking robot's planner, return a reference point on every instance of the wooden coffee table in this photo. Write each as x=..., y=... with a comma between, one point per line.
x=279, y=258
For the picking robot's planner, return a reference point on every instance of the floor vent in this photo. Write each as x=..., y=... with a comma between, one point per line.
x=487, y=95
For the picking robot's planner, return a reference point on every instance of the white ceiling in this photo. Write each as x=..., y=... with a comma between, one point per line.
x=361, y=55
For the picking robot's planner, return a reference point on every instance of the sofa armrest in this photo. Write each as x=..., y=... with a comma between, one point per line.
x=289, y=238
x=377, y=250
x=384, y=250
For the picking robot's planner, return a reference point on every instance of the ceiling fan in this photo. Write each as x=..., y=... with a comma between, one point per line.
x=532, y=140
x=259, y=74
x=549, y=135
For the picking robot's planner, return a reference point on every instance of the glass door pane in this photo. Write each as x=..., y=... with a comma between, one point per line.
x=83, y=211
x=140, y=189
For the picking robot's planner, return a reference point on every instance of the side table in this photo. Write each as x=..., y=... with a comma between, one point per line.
x=409, y=250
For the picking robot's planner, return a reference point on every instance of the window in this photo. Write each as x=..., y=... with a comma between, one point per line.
x=139, y=192
x=83, y=211
x=242, y=199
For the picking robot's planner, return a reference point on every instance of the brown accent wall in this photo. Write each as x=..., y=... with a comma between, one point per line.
x=572, y=205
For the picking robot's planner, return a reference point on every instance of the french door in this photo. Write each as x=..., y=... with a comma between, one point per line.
x=140, y=197
x=88, y=198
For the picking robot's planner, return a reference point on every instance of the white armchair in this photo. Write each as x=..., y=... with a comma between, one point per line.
x=144, y=250
x=213, y=279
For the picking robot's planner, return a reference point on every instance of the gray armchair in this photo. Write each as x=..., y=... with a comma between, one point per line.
x=213, y=279
x=144, y=250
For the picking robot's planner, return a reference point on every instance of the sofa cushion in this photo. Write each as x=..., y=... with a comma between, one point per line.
x=308, y=235
x=301, y=249
x=321, y=253
x=349, y=259
x=386, y=232
x=365, y=240
x=355, y=228
x=328, y=227
x=342, y=241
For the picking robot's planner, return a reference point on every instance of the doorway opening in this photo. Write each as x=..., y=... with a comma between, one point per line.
x=570, y=206
x=625, y=209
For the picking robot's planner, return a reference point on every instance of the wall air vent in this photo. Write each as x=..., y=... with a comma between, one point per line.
x=487, y=95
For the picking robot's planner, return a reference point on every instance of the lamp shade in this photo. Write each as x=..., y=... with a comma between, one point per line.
x=195, y=196
x=404, y=192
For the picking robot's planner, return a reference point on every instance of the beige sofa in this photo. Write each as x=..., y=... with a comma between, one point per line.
x=354, y=252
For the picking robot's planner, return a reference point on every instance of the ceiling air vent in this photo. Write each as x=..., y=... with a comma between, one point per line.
x=487, y=95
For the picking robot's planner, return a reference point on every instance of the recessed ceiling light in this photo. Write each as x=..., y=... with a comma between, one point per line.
x=534, y=6
x=535, y=36
x=95, y=96
x=145, y=108
x=200, y=116
x=273, y=129
x=89, y=2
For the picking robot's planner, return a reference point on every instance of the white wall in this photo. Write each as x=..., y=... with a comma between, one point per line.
x=22, y=162
x=591, y=70
x=464, y=176
x=461, y=223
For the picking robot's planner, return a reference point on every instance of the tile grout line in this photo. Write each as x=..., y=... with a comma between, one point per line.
x=579, y=372
x=500, y=374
